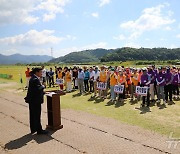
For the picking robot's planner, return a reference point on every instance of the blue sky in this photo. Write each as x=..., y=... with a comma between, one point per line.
x=34, y=26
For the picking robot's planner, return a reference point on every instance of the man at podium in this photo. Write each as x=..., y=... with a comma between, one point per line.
x=34, y=98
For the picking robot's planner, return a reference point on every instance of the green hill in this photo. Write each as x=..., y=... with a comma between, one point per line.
x=120, y=54
x=82, y=56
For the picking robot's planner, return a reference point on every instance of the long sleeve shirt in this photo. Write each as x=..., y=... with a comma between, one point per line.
x=81, y=75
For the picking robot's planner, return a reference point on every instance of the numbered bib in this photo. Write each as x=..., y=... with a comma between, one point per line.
x=141, y=90
x=59, y=81
x=101, y=85
x=119, y=89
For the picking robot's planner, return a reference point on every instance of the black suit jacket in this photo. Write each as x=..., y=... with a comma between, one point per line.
x=35, y=92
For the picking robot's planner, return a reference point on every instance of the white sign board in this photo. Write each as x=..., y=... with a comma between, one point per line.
x=119, y=89
x=59, y=81
x=141, y=90
x=101, y=85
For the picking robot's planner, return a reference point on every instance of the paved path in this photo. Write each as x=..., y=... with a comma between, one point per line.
x=82, y=133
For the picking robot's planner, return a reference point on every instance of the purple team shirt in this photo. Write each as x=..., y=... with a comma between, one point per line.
x=160, y=77
x=144, y=80
x=151, y=74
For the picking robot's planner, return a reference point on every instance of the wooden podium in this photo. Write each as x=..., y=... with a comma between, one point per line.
x=54, y=109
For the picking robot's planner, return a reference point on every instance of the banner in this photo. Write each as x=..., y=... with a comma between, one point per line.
x=101, y=85
x=59, y=81
x=141, y=90
x=119, y=89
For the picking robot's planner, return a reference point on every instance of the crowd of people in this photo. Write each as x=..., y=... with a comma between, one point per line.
x=162, y=82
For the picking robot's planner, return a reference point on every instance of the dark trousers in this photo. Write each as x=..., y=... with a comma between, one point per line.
x=146, y=99
x=155, y=88
x=91, y=83
x=175, y=89
x=35, y=117
x=86, y=85
x=47, y=80
x=51, y=81
x=122, y=96
x=168, y=92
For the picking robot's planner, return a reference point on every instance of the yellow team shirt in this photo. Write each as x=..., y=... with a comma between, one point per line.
x=113, y=80
x=68, y=77
x=135, y=82
x=103, y=77
x=60, y=76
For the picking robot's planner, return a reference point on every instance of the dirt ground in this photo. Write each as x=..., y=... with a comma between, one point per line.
x=82, y=133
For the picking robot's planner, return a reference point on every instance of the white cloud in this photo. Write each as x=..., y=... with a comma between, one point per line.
x=48, y=17
x=178, y=36
x=120, y=37
x=52, y=7
x=132, y=45
x=18, y=11
x=65, y=51
x=34, y=38
x=168, y=28
x=95, y=14
x=151, y=19
x=163, y=39
x=104, y=2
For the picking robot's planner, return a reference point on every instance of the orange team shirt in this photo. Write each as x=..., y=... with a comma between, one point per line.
x=103, y=77
x=27, y=74
x=121, y=79
x=60, y=76
x=135, y=82
x=68, y=77
x=139, y=77
x=129, y=78
x=113, y=80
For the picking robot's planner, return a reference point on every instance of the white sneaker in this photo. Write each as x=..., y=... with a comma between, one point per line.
x=164, y=102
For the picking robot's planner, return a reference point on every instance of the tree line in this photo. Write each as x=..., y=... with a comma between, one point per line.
x=147, y=54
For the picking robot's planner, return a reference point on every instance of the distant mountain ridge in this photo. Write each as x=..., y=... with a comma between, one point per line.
x=82, y=56
x=119, y=54
x=23, y=59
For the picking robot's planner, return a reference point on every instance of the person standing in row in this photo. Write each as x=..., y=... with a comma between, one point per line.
x=75, y=76
x=27, y=72
x=51, y=77
x=44, y=76
x=121, y=81
x=103, y=79
x=145, y=81
x=96, y=79
x=61, y=76
x=128, y=81
x=86, y=79
x=113, y=82
x=152, y=77
x=134, y=81
x=175, y=82
x=81, y=80
x=68, y=80
x=168, y=87
x=160, y=79
x=34, y=98
x=91, y=79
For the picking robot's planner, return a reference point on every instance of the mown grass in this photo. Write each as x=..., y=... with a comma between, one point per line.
x=159, y=120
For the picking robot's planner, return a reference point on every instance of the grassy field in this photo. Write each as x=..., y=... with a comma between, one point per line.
x=158, y=119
